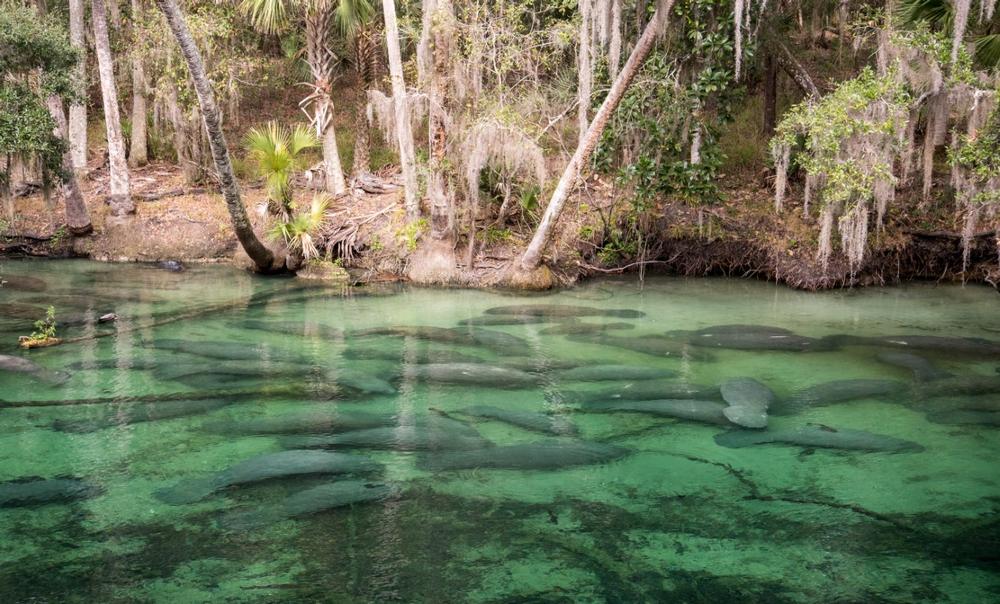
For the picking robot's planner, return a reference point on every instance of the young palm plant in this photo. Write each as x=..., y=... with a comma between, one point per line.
x=278, y=154
x=298, y=232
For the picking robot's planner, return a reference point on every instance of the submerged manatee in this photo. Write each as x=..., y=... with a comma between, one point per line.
x=966, y=384
x=22, y=283
x=266, y=467
x=313, y=422
x=400, y=438
x=536, y=422
x=965, y=416
x=923, y=370
x=839, y=391
x=421, y=355
x=601, y=373
x=578, y=328
x=537, y=365
x=644, y=390
x=488, y=320
x=311, y=501
x=709, y=412
x=945, y=344
x=756, y=341
x=549, y=455
x=563, y=310
x=39, y=491
x=292, y=327
x=32, y=369
x=659, y=346
x=226, y=351
x=821, y=437
x=748, y=402
x=474, y=374
x=136, y=413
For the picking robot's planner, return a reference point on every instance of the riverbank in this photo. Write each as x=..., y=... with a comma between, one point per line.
x=599, y=234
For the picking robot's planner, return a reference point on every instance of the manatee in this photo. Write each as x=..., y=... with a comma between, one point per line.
x=311, y=422
x=644, y=390
x=136, y=413
x=746, y=417
x=838, y=391
x=819, y=436
x=710, y=412
x=944, y=344
x=474, y=374
x=361, y=381
x=966, y=384
x=130, y=364
x=923, y=370
x=659, y=346
x=746, y=392
x=740, y=329
x=32, y=369
x=546, y=455
x=226, y=350
x=600, y=373
x=22, y=283
x=488, y=320
x=420, y=355
x=537, y=364
x=400, y=438
x=536, y=422
x=498, y=341
x=33, y=491
x=577, y=328
x=965, y=416
x=230, y=370
x=292, y=327
x=446, y=335
x=759, y=341
x=311, y=501
x=266, y=467
x=953, y=403
x=563, y=310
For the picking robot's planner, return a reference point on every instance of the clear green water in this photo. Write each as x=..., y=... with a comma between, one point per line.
x=679, y=519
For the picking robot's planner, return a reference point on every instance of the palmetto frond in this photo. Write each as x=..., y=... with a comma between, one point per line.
x=267, y=16
x=277, y=152
x=353, y=14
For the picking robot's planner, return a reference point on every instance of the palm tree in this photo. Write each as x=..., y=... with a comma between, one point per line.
x=77, y=109
x=138, y=154
x=262, y=257
x=121, y=196
x=407, y=157
x=271, y=16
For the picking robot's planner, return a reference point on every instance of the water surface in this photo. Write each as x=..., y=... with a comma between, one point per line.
x=208, y=368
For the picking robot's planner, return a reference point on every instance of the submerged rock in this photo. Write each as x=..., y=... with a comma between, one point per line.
x=551, y=455
x=266, y=467
x=33, y=491
x=821, y=437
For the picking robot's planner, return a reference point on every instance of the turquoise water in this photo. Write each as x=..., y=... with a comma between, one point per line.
x=124, y=434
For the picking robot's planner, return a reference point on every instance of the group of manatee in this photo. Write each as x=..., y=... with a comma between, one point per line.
x=326, y=441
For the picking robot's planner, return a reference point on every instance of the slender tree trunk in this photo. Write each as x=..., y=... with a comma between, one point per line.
x=585, y=73
x=770, y=94
x=427, y=8
x=120, y=198
x=362, y=145
x=615, y=49
x=78, y=110
x=321, y=59
x=77, y=218
x=439, y=189
x=138, y=153
x=533, y=254
x=404, y=137
x=335, y=183
x=367, y=50
x=261, y=256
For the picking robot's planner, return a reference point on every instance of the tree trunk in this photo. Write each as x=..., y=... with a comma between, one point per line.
x=78, y=110
x=361, y=164
x=585, y=73
x=138, y=154
x=259, y=254
x=615, y=49
x=796, y=71
x=404, y=137
x=770, y=94
x=439, y=189
x=120, y=198
x=367, y=50
x=321, y=59
x=77, y=218
x=533, y=254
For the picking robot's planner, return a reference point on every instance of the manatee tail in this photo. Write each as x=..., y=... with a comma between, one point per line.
x=736, y=439
x=187, y=491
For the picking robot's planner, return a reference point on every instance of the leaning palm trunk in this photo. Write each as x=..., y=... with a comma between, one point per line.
x=138, y=154
x=407, y=160
x=77, y=109
x=259, y=254
x=77, y=218
x=319, y=22
x=121, y=197
x=533, y=255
